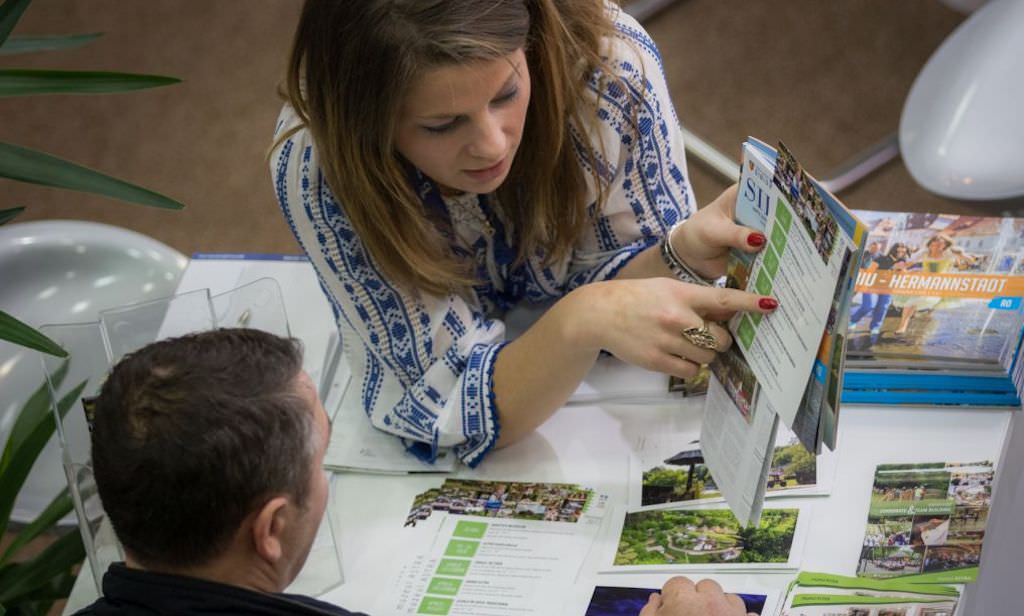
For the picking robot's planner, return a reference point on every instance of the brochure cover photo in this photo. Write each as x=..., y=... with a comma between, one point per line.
x=927, y=521
x=938, y=286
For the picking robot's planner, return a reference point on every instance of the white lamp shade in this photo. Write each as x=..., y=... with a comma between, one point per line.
x=962, y=128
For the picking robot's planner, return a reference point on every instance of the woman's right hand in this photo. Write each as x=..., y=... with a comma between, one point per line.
x=641, y=321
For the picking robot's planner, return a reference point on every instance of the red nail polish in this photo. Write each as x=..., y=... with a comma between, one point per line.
x=767, y=303
x=756, y=239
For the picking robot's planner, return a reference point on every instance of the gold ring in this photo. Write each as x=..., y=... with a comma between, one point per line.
x=701, y=337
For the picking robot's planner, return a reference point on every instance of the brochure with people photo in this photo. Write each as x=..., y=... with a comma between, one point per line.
x=939, y=297
x=707, y=538
x=927, y=522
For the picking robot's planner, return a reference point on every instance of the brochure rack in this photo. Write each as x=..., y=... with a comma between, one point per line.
x=94, y=347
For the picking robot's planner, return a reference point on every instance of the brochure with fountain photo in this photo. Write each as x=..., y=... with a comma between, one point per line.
x=669, y=469
x=707, y=537
x=937, y=317
x=927, y=522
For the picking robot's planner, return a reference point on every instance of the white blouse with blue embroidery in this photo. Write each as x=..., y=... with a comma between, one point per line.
x=424, y=363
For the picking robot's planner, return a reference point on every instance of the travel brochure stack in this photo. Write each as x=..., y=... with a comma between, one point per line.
x=825, y=594
x=937, y=318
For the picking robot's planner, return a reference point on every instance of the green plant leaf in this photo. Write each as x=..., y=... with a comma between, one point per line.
x=55, y=561
x=29, y=44
x=23, y=457
x=10, y=13
x=25, y=82
x=40, y=599
x=34, y=167
x=10, y=214
x=35, y=410
x=15, y=331
x=59, y=507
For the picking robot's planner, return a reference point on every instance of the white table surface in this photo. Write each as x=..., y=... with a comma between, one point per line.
x=589, y=445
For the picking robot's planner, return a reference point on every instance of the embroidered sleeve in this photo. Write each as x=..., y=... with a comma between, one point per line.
x=643, y=159
x=425, y=363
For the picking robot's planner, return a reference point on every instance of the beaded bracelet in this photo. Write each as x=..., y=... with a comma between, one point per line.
x=677, y=266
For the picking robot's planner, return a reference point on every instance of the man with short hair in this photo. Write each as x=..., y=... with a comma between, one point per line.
x=208, y=456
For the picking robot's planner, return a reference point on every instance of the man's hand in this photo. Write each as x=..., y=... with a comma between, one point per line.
x=681, y=597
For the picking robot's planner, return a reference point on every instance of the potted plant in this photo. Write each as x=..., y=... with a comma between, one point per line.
x=30, y=586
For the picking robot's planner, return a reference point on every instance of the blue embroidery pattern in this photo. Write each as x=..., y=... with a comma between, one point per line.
x=425, y=364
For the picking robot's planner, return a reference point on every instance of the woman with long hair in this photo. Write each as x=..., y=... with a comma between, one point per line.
x=441, y=161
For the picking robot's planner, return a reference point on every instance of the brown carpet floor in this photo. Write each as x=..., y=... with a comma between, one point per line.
x=828, y=78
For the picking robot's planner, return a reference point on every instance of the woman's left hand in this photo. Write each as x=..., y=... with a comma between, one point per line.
x=706, y=238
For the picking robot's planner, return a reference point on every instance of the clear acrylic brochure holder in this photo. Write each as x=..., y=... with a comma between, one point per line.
x=95, y=347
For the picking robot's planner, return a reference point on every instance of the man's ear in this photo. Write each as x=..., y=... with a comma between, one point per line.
x=268, y=528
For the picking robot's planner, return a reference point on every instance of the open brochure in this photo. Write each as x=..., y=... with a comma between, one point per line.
x=784, y=367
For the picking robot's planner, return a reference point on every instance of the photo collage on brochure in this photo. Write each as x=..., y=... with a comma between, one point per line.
x=927, y=520
x=550, y=502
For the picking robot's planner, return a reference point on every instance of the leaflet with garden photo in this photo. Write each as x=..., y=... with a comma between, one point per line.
x=768, y=375
x=707, y=538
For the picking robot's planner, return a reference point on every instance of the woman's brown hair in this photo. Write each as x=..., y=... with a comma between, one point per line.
x=352, y=63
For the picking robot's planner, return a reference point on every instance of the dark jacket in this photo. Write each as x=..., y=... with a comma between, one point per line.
x=131, y=592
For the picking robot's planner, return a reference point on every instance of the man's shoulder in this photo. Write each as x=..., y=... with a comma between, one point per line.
x=134, y=592
x=321, y=606
x=288, y=605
